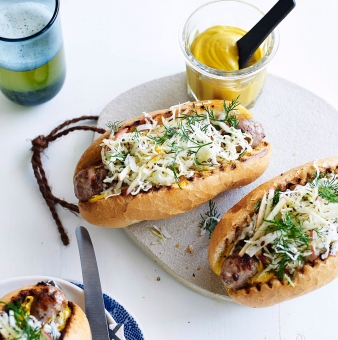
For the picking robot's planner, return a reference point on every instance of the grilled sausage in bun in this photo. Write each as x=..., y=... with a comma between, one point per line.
x=41, y=312
x=168, y=162
x=280, y=241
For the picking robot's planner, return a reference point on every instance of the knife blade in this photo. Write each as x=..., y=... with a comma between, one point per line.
x=94, y=304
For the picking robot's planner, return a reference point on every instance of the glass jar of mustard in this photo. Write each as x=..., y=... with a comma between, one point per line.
x=208, y=37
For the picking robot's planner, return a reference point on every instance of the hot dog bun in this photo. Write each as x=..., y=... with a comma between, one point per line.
x=167, y=201
x=77, y=326
x=311, y=277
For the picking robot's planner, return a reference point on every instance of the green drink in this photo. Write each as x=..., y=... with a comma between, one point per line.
x=32, y=63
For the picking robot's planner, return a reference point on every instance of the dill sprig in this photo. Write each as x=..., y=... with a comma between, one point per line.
x=230, y=117
x=290, y=232
x=192, y=119
x=291, y=229
x=276, y=197
x=169, y=133
x=114, y=156
x=232, y=105
x=275, y=200
x=210, y=218
x=136, y=134
x=114, y=126
x=327, y=189
x=184, y=130
x=22, y=321
x=280, y=268
x=257, y=205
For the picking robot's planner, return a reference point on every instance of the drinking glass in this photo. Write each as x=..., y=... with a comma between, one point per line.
x=32, y=61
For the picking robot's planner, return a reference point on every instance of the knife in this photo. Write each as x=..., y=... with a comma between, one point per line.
x=94, y=305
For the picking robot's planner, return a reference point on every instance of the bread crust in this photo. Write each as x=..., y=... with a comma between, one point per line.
x=309, y=279
x=121, y=211
x=77, y=327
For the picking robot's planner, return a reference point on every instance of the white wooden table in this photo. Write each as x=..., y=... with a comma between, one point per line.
x=111, y=47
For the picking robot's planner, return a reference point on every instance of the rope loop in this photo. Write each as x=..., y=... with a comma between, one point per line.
x=39, y=144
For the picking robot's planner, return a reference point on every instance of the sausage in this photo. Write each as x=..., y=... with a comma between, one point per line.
x=89, y=182
x=237, y=270
x=253, y=128
x=49, y=302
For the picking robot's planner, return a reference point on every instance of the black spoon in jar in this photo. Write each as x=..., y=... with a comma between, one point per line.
x=250, y=42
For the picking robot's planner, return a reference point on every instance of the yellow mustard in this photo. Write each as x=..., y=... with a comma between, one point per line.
x=96, y=198
x=258, y=278
x=216, y=48
x=26, y=305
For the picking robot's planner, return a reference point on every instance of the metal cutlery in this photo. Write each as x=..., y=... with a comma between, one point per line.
x=94, y=304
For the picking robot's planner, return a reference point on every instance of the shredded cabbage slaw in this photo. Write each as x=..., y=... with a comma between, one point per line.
x=159, y=154
x=10, y=329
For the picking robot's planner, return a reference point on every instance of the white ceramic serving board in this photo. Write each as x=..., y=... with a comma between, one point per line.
x=300, y=126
